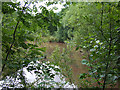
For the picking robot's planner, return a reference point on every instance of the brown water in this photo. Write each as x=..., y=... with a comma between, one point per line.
x=76, y=56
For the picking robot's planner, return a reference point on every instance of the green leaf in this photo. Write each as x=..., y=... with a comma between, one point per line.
x=83, y=76
x=77, y=48
x=41, y=49
x=84, y=61
x=25, y=46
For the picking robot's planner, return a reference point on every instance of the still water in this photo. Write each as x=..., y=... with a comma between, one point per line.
x=58, y=80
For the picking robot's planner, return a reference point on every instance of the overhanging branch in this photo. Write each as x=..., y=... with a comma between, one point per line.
x=8, y=51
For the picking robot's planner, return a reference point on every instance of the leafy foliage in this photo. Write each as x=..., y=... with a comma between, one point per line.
x=95, y=27
x=95, y=31
x=20, y=31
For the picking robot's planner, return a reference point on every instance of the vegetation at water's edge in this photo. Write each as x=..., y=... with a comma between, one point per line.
x=93, y=27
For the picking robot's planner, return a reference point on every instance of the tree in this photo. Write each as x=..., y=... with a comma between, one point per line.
x=19, y=30
x=95, y=29
x=92, y=26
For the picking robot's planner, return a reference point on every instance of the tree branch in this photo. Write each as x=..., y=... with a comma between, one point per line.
x=92, y=70
x=109, y=58
x=101, y=29
x=8, y=51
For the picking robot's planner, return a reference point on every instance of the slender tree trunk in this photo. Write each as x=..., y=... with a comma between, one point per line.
x=110, y=44
x=9, y=50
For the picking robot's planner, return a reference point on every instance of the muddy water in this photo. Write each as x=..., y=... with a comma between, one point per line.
x=76, y=65
x=76, y=56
